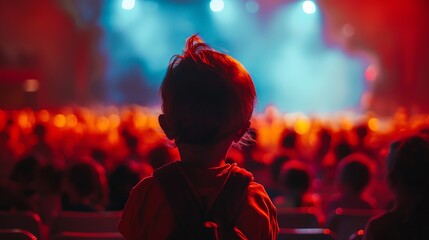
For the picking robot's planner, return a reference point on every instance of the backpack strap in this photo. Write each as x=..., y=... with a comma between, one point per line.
x=188, y=211
x=229, y=203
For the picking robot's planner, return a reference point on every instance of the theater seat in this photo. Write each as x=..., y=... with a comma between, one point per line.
x=358, y=235
x=85, y=222
x=88, y=236
x=297, y=218
x=345, y=222
x=16, y=234
x=24, y=220
x=305, y=234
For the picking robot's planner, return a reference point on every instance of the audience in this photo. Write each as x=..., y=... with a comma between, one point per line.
x=29, y=182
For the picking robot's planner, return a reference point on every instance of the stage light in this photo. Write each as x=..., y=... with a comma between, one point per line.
x=309, y=7
x=128, y=4
x=217, y=5
x=252, y=6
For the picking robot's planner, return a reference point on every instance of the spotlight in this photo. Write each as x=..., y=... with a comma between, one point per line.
x=217, y=5
x=128, y=4
x=309, y=7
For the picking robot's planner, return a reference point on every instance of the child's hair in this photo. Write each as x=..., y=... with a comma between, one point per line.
x=355, y=171
x=207, y=95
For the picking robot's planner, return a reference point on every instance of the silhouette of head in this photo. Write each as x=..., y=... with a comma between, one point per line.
x=207, y=96
x=295, y=177
x=355, y=172
x=408, y=166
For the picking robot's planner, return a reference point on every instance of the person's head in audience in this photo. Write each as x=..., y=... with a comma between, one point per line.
x=354, y=173
x=24, y=175
x=289, y=139
x=121, y=181
x=23, y=179
x=85, y=187
x=408, y=168
x=276, y=166
x=295, y=181
x=159, y=155
x=207, y=101
x=342, y=149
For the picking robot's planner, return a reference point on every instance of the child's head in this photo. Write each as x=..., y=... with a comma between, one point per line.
x=207, y=96
x=355, y=172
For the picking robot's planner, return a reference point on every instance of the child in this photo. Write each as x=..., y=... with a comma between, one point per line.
x=208, y=99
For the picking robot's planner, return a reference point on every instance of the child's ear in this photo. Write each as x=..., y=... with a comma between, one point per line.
x=166, y=127
x=242, y=131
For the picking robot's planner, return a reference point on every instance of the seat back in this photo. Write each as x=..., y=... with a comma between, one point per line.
x=345, y=222
x=88, y=236
x=305, y=234
x=357, y=235
x=16, y=234
x=25, y=220
x=297, y=218
x=86, y=222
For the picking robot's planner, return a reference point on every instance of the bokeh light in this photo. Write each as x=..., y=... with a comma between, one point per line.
x=128, y=4
x=217, y=5
x=309, y=7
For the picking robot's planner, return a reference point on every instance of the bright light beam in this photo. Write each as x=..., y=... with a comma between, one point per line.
x=309, y=7
x=128, y=4
x=217, y=5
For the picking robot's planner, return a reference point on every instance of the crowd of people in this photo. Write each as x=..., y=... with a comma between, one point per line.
x=88, y=160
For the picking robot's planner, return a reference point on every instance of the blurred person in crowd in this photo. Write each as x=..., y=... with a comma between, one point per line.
x=353, y=177
x=42, y=149
x=295, y=182
x=23, y=179
x=274, y=189
x=85, y=187
x=48, y=185
x=408, y=167
x=132, y=146
x=123, y=178
x=159, y=155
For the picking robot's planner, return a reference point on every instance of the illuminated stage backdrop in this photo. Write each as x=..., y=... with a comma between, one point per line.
x=284, y=49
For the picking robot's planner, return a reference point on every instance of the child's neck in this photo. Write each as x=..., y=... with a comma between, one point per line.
x=204, y=155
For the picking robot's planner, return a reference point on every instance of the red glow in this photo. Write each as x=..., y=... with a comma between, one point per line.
x=371, y=73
